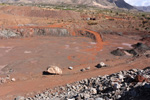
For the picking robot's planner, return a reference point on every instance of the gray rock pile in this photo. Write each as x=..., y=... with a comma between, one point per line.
x=138, y=49
x=8, y=34
x=125, y=85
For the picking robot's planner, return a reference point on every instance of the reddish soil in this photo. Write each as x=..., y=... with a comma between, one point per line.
x=29, y=57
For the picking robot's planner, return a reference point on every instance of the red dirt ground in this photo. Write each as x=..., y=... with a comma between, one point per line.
x=29, y=57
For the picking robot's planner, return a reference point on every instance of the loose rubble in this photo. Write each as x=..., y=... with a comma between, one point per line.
x=125, y=85
x=6, y=79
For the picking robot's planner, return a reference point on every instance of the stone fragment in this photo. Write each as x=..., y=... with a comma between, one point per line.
x=99, y=99
x=88, y=68
x=13, y=79
x=82, y=70
x=71, y=68
x=19, y=98
x=140, y=78
x=101, y=64
x=93, y=91
x=116, y=86
x=54, y=70
x=3, y=80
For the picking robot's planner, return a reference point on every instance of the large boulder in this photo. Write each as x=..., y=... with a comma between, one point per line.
x=54, y=70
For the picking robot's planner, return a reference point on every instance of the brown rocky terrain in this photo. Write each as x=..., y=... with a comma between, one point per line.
x=99, y=3
x=33, y=38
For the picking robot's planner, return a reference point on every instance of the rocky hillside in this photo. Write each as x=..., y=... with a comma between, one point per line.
x=98, y=3
x=146, y=9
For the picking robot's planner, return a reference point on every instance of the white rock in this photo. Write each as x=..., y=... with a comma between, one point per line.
x=13, y=79
x=3, y=80
x=88, y=68
x=71, y=99
x=102, y=64
x=54, y=70
x=71, y=68
x=99, y=99
x=119, y=96
x=121, y=77
x=19, y=98
x=116, y=86
x=93, y=91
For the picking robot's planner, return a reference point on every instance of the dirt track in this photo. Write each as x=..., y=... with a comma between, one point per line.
x=28, y=57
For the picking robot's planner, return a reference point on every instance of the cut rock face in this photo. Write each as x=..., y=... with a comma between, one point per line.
x=54, y=70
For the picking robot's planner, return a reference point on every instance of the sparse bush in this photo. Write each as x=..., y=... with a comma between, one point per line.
x=143, y=15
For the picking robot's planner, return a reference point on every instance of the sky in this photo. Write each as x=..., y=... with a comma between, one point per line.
x=139, y=2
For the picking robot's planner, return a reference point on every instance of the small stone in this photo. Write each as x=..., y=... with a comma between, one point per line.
x=116, y=86
x=3, y=80
x=119, y=96
x=89, y=99
x=82, y=70
x=19, y=98
x=71, y=99
x=8, y=77
x=102, y=64
x=88, y=68
x=134, y=70
x=140, y=78
x=93, y=91
x=99, y=99
x=121, y=77
x=13, y=79
x=11, y=70
x=148, y=55
x=71, y=68
x=86, y=95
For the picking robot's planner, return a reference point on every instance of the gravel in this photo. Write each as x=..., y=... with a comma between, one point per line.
x=124, y=85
